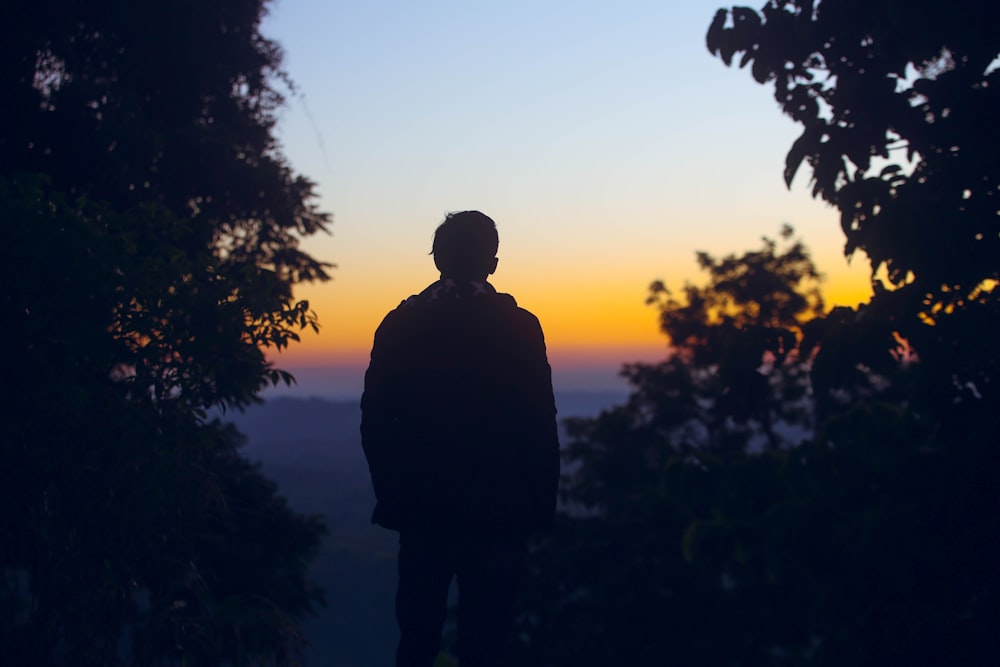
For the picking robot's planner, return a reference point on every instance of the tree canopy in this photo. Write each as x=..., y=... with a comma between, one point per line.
x=657, y=551
x=897, y=106
x=151, y=232
x=897, y=103
x=166, y=111
x=723, y=516
x=798, y=487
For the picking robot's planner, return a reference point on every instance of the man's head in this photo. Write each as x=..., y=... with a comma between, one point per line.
x=465, y=246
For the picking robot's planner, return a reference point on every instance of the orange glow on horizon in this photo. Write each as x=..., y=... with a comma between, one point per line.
x=582, y=327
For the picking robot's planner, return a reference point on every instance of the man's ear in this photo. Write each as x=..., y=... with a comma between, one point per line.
x=493, y=265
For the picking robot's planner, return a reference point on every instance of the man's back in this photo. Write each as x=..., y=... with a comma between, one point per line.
x=458, y=414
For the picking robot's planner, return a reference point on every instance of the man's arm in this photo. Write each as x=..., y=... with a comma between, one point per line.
x=380, y=414
x=541, y=423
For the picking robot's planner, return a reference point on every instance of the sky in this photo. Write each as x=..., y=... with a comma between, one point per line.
x=603, y=138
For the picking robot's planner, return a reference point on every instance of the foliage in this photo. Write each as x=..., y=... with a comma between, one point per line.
x=872, y=541
x=734, y=380
x=651, y=483
x=897, y=106
x=150, y=231
x=165, y=111
x=687, y=536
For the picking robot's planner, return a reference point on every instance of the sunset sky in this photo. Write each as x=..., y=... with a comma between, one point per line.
x=603, y=138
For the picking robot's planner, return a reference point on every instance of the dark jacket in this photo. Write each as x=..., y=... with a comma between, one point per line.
x=458, y=417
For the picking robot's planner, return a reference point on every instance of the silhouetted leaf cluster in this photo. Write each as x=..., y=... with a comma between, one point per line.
x=897, y=104
x=794, y=487
x=897, y=107
x=718, y=521
x=164, y=112
x=150, y=236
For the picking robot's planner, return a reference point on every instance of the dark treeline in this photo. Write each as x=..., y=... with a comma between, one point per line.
x=790, y=487
x=149, y=247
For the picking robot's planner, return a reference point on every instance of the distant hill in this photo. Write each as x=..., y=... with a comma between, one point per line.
x=312, y=448
x=587, y=403
x=331, y=426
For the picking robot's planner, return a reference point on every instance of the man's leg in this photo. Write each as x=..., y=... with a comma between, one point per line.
x=490, y=569
x=426, y=566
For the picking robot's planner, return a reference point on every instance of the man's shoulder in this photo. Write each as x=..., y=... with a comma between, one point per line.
x=426, y=306
x=395, y=317
x=510, y=302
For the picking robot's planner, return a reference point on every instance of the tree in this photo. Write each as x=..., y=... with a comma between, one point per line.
x=733, y=380
x=872, y=541
x=150, y=234
x=688, y=536
x=897, y=104
x=869, y=542
x=169, y=107
x=897, y=107
x=655, y=557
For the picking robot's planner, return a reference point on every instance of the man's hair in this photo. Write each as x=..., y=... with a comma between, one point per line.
x=465, y=245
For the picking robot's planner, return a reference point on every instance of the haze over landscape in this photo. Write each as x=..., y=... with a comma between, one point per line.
x=605, y=140
x=312, y=449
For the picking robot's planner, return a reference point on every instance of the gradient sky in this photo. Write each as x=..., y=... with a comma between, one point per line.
x=603, y=138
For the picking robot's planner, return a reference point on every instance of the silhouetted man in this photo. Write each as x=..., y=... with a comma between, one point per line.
x=459, y=428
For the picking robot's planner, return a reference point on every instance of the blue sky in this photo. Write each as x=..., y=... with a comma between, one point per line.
x=603, y=138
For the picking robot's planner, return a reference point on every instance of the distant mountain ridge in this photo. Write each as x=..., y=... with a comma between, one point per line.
x=311, y=447
x=336, y=421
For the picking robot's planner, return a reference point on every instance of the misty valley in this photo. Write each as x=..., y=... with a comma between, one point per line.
x=311, y=448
